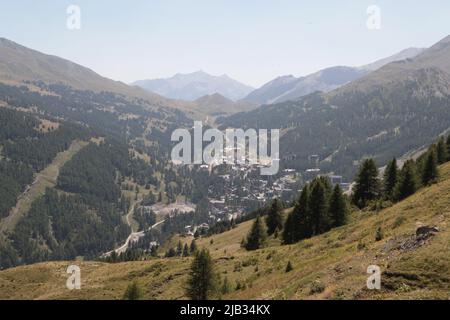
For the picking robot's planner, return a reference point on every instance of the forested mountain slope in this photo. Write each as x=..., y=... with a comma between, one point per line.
x=396, y=109
x=81, y=214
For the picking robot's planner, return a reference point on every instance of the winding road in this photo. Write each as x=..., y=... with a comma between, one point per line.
x=134, y=236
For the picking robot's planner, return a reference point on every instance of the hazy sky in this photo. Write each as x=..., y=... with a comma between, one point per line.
x=252, y=41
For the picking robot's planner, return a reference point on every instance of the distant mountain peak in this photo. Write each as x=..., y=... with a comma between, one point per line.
x=191, y=86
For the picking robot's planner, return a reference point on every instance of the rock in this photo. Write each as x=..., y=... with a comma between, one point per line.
x=424, y=232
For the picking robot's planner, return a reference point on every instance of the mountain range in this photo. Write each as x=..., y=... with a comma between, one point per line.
x=288, y=87
x=195, y=85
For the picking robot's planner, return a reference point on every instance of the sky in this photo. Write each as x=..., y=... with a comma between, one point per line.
x=252, y=41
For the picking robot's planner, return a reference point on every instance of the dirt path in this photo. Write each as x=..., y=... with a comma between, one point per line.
x=44, y=179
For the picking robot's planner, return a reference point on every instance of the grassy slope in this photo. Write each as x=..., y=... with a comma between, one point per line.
x=333, y=260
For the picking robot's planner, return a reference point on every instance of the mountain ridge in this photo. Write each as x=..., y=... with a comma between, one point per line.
x=325, y=80
x=19, y=63
x=191, y=86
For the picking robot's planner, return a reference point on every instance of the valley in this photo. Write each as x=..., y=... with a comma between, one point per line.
x=88, y=177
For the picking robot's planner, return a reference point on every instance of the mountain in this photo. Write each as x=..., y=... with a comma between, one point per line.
x=290, y=88
x=389, y=112
x=402, y=55
x=216, y=104
x=18, y=64
x=194, y=85
x=329, y=266
x=66, y=135
x=272, y=90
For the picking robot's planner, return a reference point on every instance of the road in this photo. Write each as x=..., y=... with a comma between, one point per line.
x=134, y=236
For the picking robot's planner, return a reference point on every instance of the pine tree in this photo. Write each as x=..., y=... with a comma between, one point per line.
x=318, y=208
x=390, y=179
x=441, y=150
x=379, y=234
x=133, y=292
x=171, y=253
x=298, y=225
x=274, y=219
x=289, y=267
x=202, y=281
x=407, y=183
x=367, y=186
x=430, y=169
x=448, y=148
x=179, y=248
x=154, y=251
x=338, y=207
x=226, y=287
x=288, y=230
x=185, y=250
x=256, y=238
x=193, y=247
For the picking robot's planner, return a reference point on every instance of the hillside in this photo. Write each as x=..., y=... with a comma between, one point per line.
x=216, y=104
x=335, y=262
x=18, y=63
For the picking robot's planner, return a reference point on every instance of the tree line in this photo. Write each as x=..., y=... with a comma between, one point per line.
x=397, y=183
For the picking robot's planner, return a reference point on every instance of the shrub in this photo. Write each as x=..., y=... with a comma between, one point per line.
x=316, y=287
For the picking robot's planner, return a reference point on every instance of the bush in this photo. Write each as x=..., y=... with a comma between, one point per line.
x=379, y=234
x=133, y=292
x=316, y=287
x=289, y=267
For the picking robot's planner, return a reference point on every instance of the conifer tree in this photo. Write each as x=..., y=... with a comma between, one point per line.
x=171, y=253
x=193, y=247
x=288, y=230
x=301, y=217
x=226, y=287
x=390, y=179
x=154, y=251
x=408, y=182
x=289, y=267
x=256, y=238
x=320, y=220
x=133, y=292
x=441, y=150
x=179, y=248
x=367, y=186
x=430, y=169
x=338, y=207
x=202, y=281
x=274, y=219
x=448, y=148
x=185, y=250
